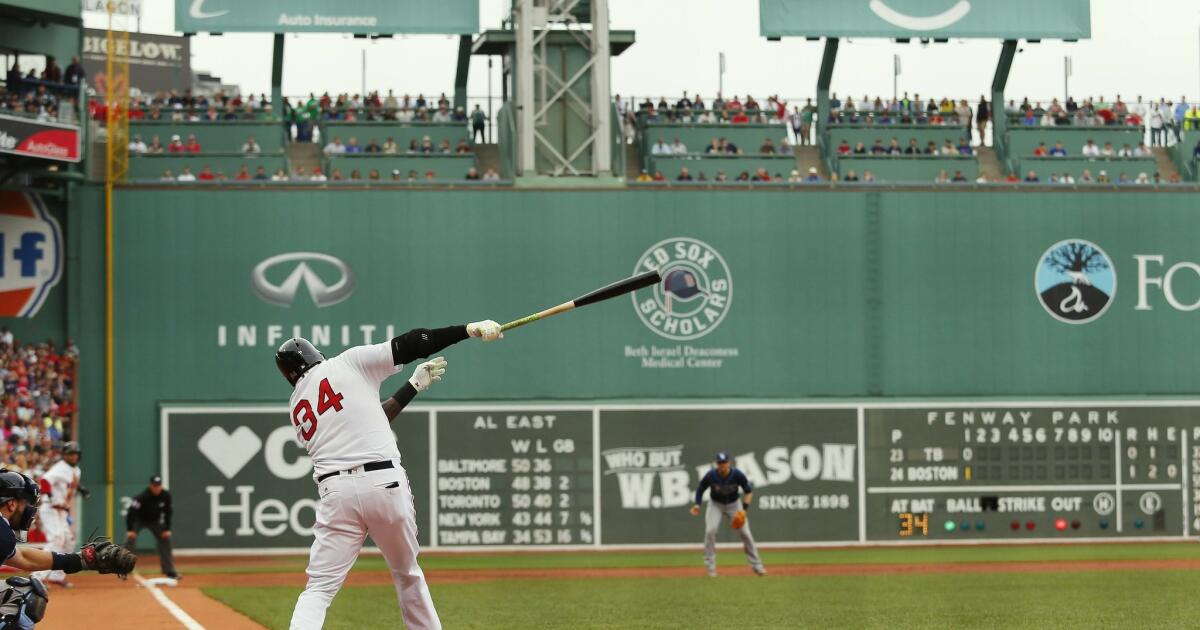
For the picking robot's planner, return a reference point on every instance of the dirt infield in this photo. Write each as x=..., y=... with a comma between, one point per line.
x=127, y=604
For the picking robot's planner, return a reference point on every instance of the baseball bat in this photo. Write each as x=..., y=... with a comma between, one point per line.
x=613, y=290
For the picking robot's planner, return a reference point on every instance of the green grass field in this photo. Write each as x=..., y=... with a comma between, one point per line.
x=1051, y=599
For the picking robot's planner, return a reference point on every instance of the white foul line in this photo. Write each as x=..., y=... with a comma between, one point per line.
x=862, y=479
x=172, y=607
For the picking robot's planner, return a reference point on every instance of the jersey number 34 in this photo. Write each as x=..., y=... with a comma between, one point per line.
x=303, y=416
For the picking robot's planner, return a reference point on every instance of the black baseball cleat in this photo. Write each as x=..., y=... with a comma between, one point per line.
x=175, y=576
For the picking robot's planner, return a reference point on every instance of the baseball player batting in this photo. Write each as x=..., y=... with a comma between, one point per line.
x=356, y=464
x=723, y=483
x=54, y=514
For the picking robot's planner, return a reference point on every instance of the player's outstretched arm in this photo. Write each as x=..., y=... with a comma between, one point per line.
x=99, y=555
x=420, y=343
x=423, y=378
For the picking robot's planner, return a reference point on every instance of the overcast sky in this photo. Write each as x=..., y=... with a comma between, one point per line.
x=1148, y=47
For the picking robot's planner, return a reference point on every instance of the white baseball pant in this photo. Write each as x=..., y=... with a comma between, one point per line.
x=60, y=538
x=353, y=505
x=716, y=514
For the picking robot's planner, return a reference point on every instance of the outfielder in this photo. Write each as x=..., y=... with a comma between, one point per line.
x=54, y=515
x=723, y=482
x=356, y=464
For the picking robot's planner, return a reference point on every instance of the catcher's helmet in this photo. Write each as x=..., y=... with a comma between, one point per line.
x=15, y=485
x=295, y=357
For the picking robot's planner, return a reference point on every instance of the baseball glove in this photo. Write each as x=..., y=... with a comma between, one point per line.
x=101, y=555
x=738, y=519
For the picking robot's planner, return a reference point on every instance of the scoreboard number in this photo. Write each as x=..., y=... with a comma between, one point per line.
x=914, y=524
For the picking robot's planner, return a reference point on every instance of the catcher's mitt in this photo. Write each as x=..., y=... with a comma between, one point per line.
x=738, y=519
x=101, y=555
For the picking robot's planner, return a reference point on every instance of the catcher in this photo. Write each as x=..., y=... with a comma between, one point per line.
x=723, y=483
x=23, y=600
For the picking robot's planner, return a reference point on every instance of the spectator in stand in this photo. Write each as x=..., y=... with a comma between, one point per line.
x=1086, y=177
x=659, y=177
x=427, y=145
x=878, y=148
x=335, y=147
x=243, y=174
x=1125, y=151
x=851, y=176
x=660, y=148
x=948, y=149
x=959, y=177
x=983, y=114
x=843, y=148
x=796, y=120
x=478, y=124
x=684, y=175
x=167, y=176
x=373, y=147
x=137, y=146
x=760, y=174
x=893, y=147
x=1031, y=177
x=300, y=174
x=1143, y=151
x=186, y=175
x=1124, y=179
x=317, y=175
x=490, y=175
x=444, y=147
x=720, y=177
x=472, y=174
x=458, y=115
x=279, y=176
x=205, y=174
x=396, y=175
x=813, y=176
x=352, y=146
x=794, y=177
x=964, y=147
x=389, y=147
x=156, y=146
x=250, y=147
x=1196, y=151
x=942, y=177
x=913, y=148
x=260, y=174
x=335, y=176
x=374, y=175
x=678, y=148
x=739, y=117
x=463, y=148
x=1157, y=122
x=192, y=145
x=52, y=73
x=1181, y=110
x=1058, y=150
x=75, y=72
x=931, y=148
x=1040, y=150
x=784, y=148
x=860, y=149
x=1066, y=178
x=1091, y=149
x=175, y=146
x=768, y=147
x=1107, y=151
x=644, y=176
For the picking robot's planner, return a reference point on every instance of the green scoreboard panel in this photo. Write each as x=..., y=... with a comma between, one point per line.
x=1045, y=470
x=514, y=477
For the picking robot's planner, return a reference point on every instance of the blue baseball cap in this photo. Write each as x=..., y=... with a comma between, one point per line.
x=722, y=457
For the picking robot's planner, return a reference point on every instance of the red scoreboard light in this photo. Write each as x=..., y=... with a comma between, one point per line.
x=1060, y=524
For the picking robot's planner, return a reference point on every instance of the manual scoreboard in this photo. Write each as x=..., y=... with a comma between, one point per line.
x=961, y=472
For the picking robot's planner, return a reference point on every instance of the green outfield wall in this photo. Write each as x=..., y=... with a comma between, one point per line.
x=770, y=295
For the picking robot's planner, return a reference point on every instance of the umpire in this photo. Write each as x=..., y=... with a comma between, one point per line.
x=152, y=510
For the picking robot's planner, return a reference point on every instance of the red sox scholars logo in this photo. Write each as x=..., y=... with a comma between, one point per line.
x=31, y=248
x=694, y=295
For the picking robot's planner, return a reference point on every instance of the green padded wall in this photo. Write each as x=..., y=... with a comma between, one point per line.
x=909, y=169
x=443, y=166
x=225, y=136
x=1023, y=140
x=145, y=167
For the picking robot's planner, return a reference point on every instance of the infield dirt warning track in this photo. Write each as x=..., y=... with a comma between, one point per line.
x=130, y=604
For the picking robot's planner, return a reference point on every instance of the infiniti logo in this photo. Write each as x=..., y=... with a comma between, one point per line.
x=284, y=294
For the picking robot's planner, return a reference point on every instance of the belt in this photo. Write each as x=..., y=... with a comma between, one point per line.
x=379, y=465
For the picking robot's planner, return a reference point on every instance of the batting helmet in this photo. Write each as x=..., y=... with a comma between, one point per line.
x=72, y=448
x=295, y=357
x=15, y=485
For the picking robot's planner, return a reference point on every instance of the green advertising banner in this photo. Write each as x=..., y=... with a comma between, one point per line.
x=71, y=9
x=802, y=462
x=345, y=16
x=240, y=480
x=1014, y=19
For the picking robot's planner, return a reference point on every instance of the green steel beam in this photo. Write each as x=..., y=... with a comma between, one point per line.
x=460, y=77
x=999, y=116
x=828, y=58
x=277, y=76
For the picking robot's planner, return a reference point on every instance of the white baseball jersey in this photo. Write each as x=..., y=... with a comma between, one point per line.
x=337, y=413
x=64, y=480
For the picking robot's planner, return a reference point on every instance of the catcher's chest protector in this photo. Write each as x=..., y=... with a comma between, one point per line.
x=21, y=594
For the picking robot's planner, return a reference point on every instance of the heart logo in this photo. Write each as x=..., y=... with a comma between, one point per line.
x=229, y=452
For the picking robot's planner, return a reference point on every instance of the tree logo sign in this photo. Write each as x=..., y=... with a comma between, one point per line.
x=1075, y=281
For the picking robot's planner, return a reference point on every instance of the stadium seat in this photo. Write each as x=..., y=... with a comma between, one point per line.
x=214, y=137
x=731, y=164
x=1044, y=166
x=868, y=134
x=151, y=166
x=1023, y=140
x=923, y=168
x=443, y=166
x=696, y=137
x=402, y=133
